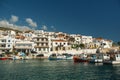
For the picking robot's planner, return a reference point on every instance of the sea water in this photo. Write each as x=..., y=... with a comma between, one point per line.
x=56, y=70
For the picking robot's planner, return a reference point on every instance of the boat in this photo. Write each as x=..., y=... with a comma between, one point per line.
x=2, y=57
x=68, y=56
x=96, y=58
x=64, y=56
x=80, y=58
x=114, y=59
x=55, y=56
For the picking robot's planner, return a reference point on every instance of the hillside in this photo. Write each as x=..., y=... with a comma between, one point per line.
x=5, y=28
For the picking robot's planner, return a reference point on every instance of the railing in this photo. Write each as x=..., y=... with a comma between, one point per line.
x=23, y=47
x=41, y=41
x=41, y=46
x=4, y=48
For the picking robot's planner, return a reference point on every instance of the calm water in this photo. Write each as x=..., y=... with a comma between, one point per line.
x=57, y=70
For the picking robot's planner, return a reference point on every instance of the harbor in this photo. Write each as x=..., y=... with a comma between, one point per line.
x=56, y=70
x=59, y=40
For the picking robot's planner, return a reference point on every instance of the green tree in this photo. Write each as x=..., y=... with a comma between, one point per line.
x=82, y=46
x=118, y=43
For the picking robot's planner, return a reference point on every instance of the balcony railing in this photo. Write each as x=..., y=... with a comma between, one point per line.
x=4, y=48
x=41, y=41
x=41, y=46
x=23, y=47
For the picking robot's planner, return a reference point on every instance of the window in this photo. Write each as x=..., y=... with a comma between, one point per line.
x=42, y=39
x=56, y=48
x=37, y=39
x=44, y=49
x=3, y=46
x=3, y=40
x=8, y=45
x=42, y=44
x=60, y=43
x=46, y=44
x=56, y=43
x=63, y=48
x=39, y=49
x=8, y=40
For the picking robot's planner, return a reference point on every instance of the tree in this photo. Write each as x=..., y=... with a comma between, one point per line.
x=114, y=44
x=82, y=46
x=118, y=43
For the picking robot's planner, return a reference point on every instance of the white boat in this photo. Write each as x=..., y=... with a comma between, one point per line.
x=64, y=56
x=96, y=58
x=55, y=56
x=114, y=59
x=111, y=62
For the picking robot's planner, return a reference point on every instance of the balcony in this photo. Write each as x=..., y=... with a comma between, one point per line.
x=42, y=46
x=23, y=47
x=4, y=48
x=41, y=41
x=2, y=42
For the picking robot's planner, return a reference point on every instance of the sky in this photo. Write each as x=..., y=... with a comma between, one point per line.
x=97, y=18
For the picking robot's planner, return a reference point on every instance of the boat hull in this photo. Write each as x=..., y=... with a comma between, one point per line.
x=3, y=58
x=111, y=62
x=77, y=59
x=96, y=61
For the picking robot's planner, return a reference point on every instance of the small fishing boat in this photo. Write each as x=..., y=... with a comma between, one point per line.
x=80, y=58
x=55, y=56
x=68, y=56
x=96, y=58
x=2, y=57
x=64, y=56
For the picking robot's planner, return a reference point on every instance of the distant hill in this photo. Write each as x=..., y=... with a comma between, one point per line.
x=16, y=30
x=5, y=28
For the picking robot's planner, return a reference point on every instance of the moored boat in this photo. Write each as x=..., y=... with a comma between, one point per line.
x=96, y=58
x=114, y=59
x=63, y=56
x=68, y=56
x=55, y=56
x=80, y=58
x=3, y=58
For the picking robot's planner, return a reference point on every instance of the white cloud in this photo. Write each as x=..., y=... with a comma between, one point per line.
x=53, y=28
x=31, y=23
x=44, y=27
x=14, y=19
x=6, y=24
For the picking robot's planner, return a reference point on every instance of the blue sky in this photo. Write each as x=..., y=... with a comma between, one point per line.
x=97, y=18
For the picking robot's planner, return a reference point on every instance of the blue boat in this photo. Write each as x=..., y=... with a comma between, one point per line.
x=96, y=58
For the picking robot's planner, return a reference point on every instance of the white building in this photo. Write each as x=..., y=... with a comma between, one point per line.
x=60, y=45
x=41, y=44
x=24, y=46
x=103, y=43
x=28, y=36
x=86, y=39
x=6, y=44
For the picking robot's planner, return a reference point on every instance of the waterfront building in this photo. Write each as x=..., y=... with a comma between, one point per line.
x=6, y=44
x=59, y=45
x=41, y=44
x=23, y=46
